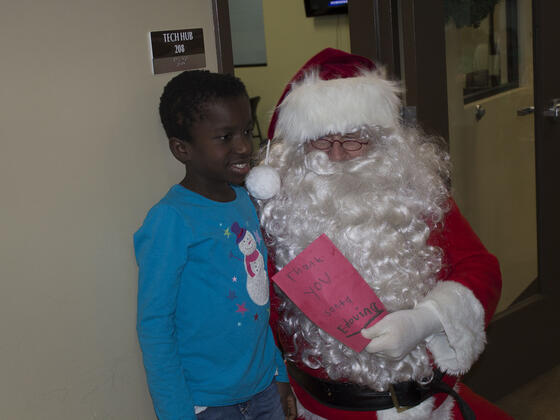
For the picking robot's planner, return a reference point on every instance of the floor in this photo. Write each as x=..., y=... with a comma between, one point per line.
x=536, y=400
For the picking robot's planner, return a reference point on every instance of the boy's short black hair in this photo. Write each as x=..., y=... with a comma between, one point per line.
x=185, y=96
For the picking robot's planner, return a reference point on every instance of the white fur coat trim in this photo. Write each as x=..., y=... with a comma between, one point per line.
x=462, y=317
x=316, y=107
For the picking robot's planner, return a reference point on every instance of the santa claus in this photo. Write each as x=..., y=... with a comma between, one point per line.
x=380, y=191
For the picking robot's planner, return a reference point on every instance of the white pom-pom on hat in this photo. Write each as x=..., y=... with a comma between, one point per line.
x=263, y=182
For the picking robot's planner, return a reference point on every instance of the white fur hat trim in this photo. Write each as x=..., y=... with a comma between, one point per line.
x=315, y=107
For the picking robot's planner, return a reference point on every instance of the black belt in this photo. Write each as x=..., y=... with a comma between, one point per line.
x=354, y=397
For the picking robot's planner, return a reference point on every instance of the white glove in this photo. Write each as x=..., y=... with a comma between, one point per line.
x=399, y=333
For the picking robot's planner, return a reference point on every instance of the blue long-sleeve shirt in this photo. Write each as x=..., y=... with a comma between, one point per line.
x=203, y=306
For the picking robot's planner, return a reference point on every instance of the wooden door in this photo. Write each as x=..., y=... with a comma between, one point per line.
x=505, y=180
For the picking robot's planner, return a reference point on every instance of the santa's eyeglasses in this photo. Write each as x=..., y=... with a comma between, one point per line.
x=350, y=142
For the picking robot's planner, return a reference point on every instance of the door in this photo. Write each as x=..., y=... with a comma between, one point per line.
x=484, y=78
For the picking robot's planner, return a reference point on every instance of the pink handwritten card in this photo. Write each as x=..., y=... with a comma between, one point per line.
x=331, y=292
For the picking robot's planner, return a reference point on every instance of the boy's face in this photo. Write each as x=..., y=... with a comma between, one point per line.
x=220, y=148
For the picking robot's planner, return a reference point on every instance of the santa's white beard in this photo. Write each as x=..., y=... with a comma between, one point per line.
x=378, y=210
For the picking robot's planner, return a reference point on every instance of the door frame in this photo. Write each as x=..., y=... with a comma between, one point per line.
x=403, y=50
x=222, y=33
x=523, y=340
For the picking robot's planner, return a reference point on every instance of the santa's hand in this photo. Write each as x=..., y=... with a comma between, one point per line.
x=399, y=333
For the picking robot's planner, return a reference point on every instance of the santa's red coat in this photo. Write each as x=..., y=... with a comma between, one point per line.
x=467, y=262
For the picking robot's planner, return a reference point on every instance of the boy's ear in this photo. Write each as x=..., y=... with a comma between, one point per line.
x=180, y=149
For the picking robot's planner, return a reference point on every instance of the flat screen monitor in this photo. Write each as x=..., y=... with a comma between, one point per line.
x=325, y=7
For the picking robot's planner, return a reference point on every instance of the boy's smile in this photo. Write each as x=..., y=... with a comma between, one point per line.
x=220, y=149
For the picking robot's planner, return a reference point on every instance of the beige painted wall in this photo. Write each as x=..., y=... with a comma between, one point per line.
x=82, y=158
x=291, y=40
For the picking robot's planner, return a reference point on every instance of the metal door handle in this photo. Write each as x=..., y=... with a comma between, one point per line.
x=554, y=109
x=479, y=112
x=526, y=111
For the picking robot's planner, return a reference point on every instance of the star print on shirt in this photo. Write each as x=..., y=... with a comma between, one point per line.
x=241, y=308
x=227, y=232
x=256, y=317
x=234, y=279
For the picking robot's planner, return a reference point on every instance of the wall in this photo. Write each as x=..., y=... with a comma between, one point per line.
x=82, y=158
x=291, y=40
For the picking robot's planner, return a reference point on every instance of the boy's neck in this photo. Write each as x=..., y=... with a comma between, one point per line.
x=222, y=192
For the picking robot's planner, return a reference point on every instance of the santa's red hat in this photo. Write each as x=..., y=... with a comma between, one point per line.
x=334, y=92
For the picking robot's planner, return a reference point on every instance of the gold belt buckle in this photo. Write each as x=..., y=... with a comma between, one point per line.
x=400, y=408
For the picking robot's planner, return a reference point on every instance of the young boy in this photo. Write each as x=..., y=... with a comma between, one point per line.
x=203, y=303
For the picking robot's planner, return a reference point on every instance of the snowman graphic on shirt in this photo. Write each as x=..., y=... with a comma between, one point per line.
x=257, y=282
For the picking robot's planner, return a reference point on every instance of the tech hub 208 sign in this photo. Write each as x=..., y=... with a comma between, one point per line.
x=176, y=50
